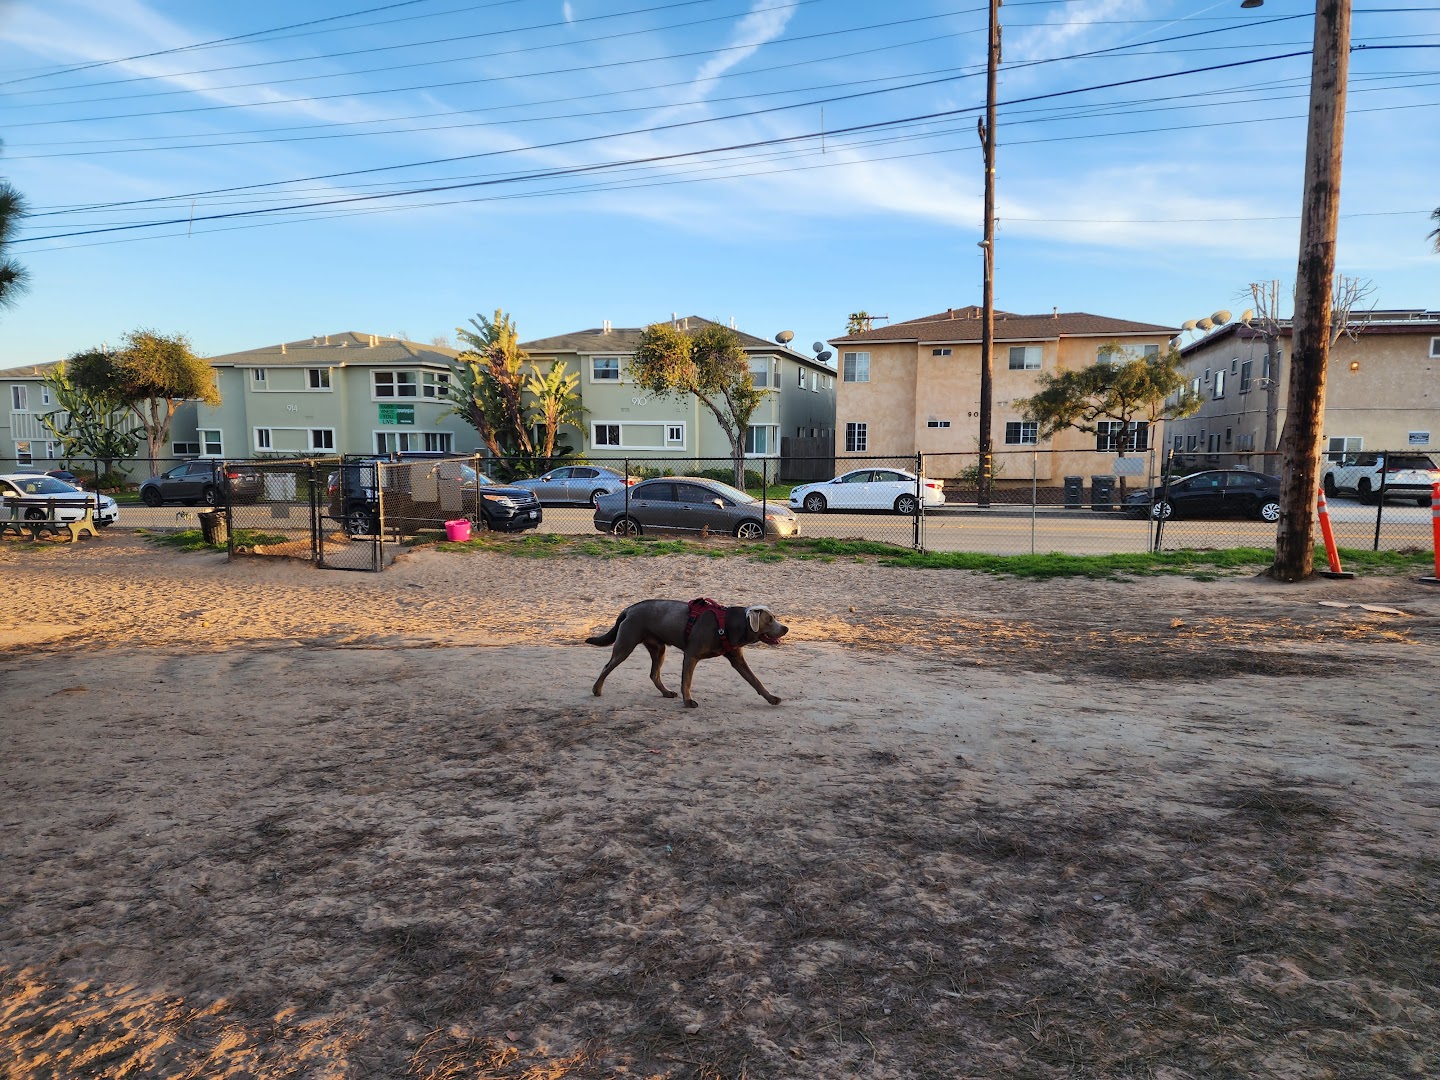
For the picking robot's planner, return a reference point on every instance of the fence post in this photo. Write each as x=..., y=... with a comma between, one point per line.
x=1034, y=494
x=1380, y=499
x=917, y=539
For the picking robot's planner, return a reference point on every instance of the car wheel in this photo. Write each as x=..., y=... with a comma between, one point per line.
x=625, y=526
x=907, y=505
x=749, y=530
x=359, y=523
x=1270, y=510
x=1162, y=511
x=1364, y=494
x=103, y=524
x=1330, y=489
x=595, y=496
x=35, y=513
x=150, y=497
x=815, y=503
x=208, y=496
x=1424, y=500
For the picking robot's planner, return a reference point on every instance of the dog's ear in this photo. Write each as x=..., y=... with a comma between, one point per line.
x=758, y=615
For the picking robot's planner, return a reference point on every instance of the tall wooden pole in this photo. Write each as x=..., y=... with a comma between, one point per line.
x=1314, y=284
x=987, y=337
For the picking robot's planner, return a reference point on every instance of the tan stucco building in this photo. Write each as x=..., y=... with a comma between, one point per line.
x=1382, y=388
x=914, y=387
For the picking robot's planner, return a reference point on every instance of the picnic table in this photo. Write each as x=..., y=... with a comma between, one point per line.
x=56, y=514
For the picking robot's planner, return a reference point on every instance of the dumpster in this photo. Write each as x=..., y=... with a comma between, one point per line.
x=1102, y=493
x=214, y=529
x=1074, y=492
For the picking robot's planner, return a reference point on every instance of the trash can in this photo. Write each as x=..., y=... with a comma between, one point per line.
x=1074, y=492
x=1102, y=493
x=214, y=529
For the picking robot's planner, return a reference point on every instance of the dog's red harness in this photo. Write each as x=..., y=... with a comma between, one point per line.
x=698, y=607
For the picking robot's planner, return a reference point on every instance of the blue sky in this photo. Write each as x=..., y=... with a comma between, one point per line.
x=778, y=162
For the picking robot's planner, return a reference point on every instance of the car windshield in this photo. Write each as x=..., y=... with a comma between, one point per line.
x=725, y=490
x=43, y=485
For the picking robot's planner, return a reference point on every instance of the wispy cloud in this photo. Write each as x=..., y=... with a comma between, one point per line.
x=765, y=23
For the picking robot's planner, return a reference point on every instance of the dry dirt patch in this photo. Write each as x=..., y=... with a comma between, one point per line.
x=266, y=821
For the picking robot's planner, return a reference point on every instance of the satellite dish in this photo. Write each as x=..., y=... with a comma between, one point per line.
x=818, y=346
x=1205, y=324
x=1247, y=315
x=784, y=337
x=1189, y=324
x=824, y=356
x=1221, y=317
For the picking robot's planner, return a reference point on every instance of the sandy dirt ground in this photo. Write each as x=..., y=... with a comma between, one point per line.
x=261, y=820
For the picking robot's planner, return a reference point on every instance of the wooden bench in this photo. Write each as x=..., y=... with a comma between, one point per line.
x=52, y=517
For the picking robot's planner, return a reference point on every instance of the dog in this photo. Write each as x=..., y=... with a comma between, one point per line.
x=701, y=628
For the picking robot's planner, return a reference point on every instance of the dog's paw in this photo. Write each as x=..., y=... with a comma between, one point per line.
x=772, y=699
x=692, y=704
x=669, y=693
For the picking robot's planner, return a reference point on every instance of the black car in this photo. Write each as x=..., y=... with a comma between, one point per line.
x=1215, y=493
x=424, y=494
x=203, y=481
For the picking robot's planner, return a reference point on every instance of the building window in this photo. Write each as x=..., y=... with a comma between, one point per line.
x=395, y=384
x=439, y=442
x=937, y=423
x=45, y=398
x=317, y=378
x=322, y=439
x=801, y=372
x=1191, y=443
x=856, y=438
x=1219, y=384
x=211, y=443
x=1111, y=436
x=1177, y=443
x=1025, y=357
x=606, y=435
x=1245, y=370
x=857, y=367
x=940, y=352
x=674, y=434
x=1195, y=387
x=1113, y=354
x=760, y=371
x=436, y=384
x=18, y=399
x=257, y=377
x=1227, y=436
x=605, y=369
x=760, y=439
x=180, y=449
x=1215, y=443
x=1342, y=445
x=1435, y=348
x=1234, y=366
x=1022, y=433
x=262, y=439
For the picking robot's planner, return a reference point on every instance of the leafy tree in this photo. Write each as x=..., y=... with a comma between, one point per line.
x=89, y=423
x=13, y=276
x=1113, y=390
x=151, y=376
x=489, y=390
x=709, y=364
x=858, y=322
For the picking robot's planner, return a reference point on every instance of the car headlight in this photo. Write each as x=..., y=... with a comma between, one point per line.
x=502, y=500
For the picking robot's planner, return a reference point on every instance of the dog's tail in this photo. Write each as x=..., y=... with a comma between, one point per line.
x=607, y=638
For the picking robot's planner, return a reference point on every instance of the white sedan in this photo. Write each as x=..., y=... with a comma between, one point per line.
x=27, y=496
x=869, y=489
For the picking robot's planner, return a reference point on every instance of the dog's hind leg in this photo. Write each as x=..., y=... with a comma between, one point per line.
x=657, y=657
x=623, y=648
x=737, y=661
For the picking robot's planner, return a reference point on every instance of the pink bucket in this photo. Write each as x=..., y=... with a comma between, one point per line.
x=457, y=531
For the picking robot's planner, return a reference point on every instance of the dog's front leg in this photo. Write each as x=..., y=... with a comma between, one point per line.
x=657, y=657
x=737, y=661
x=687, y=678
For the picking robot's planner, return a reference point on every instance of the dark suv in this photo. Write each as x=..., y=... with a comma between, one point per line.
x=424, y=493
x=203, y=481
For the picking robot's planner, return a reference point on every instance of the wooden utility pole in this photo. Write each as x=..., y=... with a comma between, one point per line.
x=987, y=337
x=1314, y=278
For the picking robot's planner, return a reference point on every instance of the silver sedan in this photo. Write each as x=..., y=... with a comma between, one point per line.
x=575, y=485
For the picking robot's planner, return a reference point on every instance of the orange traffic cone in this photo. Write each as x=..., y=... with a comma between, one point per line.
x=1435, y=531
x=1331, y=552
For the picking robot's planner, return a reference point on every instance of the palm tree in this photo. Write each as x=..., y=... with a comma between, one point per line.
x=1435, y=217
x=556, y=402
x=12, y=274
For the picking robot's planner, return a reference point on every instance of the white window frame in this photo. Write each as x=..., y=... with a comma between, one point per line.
x=856, y=367
x=942, y=352
x=181, y=449
x=45, y=397
x=595, y=435
x=1435, y=348
x=1126, y=352
x=1032, y=357
x=772, y=440
x=19, y=398
x=675, y=435
x=1347, y=445
x=264, y=439
x=435, y=385
x=439, y=442
x=397, y=382
x=206, y=444
x=937, y=423
x=857, y=437
x=320, y=376
x=1219, y=384
x=1111, y=435
x=619, y=369
x=258, y=379
x=321, y=438
x=1026, y=432
x=1246, y=376
x=801, y=372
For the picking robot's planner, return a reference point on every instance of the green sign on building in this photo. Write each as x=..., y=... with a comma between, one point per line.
x=397, y=414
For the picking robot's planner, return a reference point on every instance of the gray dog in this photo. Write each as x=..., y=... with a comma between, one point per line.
x=701, y=628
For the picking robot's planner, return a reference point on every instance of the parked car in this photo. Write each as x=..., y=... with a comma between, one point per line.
x=691, y=504
x=868, y=489
x=67, y=476
x=415, y=493
x=35, y=490
x=1215, y=493
x=1403, y=476
x=202, y=481
x=576, y=485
